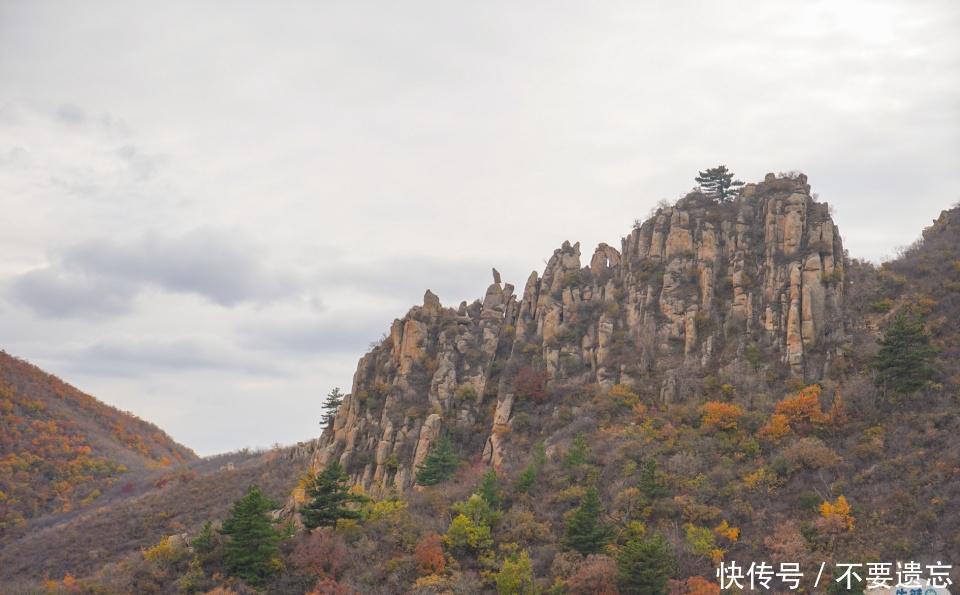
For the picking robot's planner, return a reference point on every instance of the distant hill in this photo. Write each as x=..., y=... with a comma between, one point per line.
x=62, y=449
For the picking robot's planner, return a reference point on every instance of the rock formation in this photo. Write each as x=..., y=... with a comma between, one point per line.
x=692, y=292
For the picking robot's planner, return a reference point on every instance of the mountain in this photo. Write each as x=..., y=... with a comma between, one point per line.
x=746, y=295
x=716, y=390
x=61, y=449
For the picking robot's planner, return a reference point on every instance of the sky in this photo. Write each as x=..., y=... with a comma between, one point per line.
x=210, y=209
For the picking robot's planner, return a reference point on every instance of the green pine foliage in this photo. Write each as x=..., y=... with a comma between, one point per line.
x=585, y=530
x=718, y=183
x=579, y=453
x=649, y=484
x=645, y=565
x=330, y=405
x=330, y=499
x=440, y=463
x=252, y=549
x=489, y=489
x=903, y=364
x=528, y=477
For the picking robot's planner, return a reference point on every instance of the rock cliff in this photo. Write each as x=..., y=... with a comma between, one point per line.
x=701, y=290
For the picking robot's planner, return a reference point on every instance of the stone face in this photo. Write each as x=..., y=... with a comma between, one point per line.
x=690, y=290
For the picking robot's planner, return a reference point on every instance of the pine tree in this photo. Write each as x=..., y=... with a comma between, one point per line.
x=440, y=463
x=579, y=452
x=489, y=489
x=252, y=550
x=330, y=496
x=718, y=182
x=649, y=484
x=645, y=565
x=585, y=531
x=903, y=363
x=330, y=406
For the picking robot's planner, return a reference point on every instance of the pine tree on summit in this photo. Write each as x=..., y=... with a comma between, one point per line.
x=330, y=494
x=330, y=406
x=718, y=182
x=439, y=465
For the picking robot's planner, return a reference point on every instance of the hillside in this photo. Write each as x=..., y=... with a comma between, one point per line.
x=61, y=449
x=709, y=392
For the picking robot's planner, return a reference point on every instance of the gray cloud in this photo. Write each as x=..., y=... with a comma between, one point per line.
x=352, y=335
x=103, y=277
x=71, y=114
x=134, y=357
x=58, y=293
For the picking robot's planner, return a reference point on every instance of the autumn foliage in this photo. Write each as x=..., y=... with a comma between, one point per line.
x=835, y=516
x=429, y=555
x=60, y=448
x=720, y=416
x=530, y=384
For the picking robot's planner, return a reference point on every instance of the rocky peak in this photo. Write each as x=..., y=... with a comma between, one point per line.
x=691, y=291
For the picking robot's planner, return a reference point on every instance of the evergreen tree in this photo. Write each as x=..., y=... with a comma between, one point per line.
x=252, y=550
x=440, y=463
x=903, y=363
x=649, y=484
x=529, y=475
x=489, y=489
x=329, y=494
x=718, y=182
x=330, y=406
x=579, y=452
x=585, y=531
x=645, y=565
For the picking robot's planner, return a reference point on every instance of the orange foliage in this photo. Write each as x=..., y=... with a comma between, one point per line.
x=776, y=429
x=718, y=415
x=40, y=442
x=803, y=409
x=697, y=585
x=429, y=555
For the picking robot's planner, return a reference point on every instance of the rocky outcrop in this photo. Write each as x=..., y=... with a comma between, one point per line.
x=691, y=290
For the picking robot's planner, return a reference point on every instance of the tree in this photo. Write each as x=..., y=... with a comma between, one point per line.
x=903, y=363
x=489, y=489
x=330, y=496
x=597, y=575
x=645, y=565
x=718, y=182
x=429, y=555
x=440, y=463
x=649, y=484
x=516, y=576
x=585, y=530
x=252, y=550
x=330, y=406
x=579, y=452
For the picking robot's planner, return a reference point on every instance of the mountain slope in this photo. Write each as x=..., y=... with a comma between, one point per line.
x=61, y=449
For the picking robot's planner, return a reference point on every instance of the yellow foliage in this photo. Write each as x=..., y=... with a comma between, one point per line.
x=838, y=512
x=716, y=555
x=167, y=551
x=725, y=530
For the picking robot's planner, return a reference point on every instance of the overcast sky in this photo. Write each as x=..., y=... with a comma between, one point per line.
x=209, y=209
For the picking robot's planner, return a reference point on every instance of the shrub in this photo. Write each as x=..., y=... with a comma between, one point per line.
x=530, y=384
x=516, y=576
x=597, y=575
x=429, y=556
x=802, y=410
x=720, y=416
x=321, y=554
x=835, y=516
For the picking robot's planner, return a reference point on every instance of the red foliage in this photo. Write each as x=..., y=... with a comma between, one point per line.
x=326, y=586
x=595, y=575
x=429, y=555
x=321, y=553
x=530, y=384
